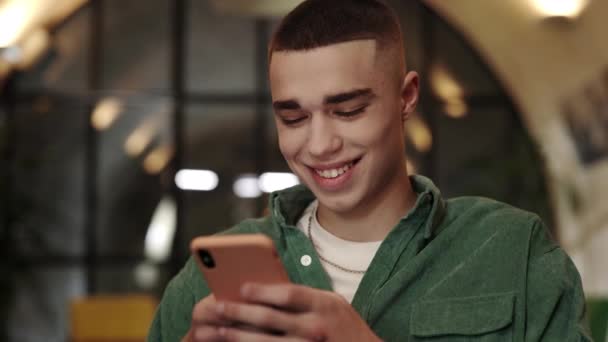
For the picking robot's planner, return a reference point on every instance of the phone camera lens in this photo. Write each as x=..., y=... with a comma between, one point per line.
x=206, y=258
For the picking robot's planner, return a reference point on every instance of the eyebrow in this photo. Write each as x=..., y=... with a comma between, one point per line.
x=287, y=104
x=330, y=99
x=351, y=95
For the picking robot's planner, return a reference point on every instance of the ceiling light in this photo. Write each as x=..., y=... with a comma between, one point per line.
x=560, y=8
x=274, y=181
x=158, y=159
x=161, y=231
x=419, y=133
x=197, y=180
x=105, y=113
x=246, y=186
x=141, y=137
x=262, y=8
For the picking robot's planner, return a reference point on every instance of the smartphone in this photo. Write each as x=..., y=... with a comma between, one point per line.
x=229, y=261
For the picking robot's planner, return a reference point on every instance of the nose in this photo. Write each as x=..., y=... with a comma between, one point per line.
x=324, y=141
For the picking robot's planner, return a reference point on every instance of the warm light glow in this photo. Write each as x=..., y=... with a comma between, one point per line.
x=263, y=8
x=197, y=180
x=246, y=186
x=274, y=181
x=105, y=113
x=158, y=159
x=15, y=18
x=419, y=133
x=19, y=17
x=456, y=109
x=22, y=24
x=444, y=84
x=63, y=9
x=449, y=91
x=560, y=8
x=141, y=137
x=34, y=47
x=161, y=231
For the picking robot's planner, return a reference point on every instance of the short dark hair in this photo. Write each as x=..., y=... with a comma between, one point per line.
x=319, y=23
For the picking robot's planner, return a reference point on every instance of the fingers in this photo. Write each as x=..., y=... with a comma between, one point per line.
x=271, y=309
x=206, y=333
x=204, y=312
x=206, y=321
x=233, y=334
x=271, y=320
x=258, y=316
x=289, y=297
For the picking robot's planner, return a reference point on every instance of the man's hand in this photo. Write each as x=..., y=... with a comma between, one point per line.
x=283, y=312
x=205, y=322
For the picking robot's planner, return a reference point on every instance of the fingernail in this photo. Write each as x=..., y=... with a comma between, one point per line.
x=220, y=307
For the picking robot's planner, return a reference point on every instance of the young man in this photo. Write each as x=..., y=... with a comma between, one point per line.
x=372, y=253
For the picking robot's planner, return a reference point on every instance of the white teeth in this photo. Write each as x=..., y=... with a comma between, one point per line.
x=333, y=173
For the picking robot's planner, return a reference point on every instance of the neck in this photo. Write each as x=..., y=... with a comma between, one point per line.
x=382, y=212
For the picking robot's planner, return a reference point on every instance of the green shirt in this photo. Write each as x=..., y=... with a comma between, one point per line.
x=466, y=269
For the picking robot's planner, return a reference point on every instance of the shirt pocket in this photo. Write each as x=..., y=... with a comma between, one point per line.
x=485, y=318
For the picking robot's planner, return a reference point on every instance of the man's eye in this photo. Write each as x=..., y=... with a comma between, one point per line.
x=290, y=122
x=351, y=113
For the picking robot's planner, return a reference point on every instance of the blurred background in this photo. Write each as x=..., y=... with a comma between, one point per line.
x=129, y=127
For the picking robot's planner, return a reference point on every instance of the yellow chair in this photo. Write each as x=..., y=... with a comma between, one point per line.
x=111, y=318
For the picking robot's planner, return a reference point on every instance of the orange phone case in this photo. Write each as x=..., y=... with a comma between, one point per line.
x=238, y=259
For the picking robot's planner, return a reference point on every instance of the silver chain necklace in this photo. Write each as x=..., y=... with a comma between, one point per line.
x=314, y=213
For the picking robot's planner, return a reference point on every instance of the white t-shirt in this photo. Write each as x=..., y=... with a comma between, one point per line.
x=347, y=254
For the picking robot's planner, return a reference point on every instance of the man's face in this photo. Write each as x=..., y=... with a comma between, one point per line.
x=339, y=113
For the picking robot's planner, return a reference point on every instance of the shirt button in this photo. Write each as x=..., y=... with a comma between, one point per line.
x=306, y=260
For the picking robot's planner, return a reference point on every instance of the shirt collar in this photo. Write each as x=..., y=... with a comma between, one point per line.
x=286, y=206
x=428, y=194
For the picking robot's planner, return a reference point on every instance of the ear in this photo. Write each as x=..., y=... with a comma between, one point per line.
x=410, y=89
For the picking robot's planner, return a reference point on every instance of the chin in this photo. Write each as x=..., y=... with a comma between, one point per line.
x=342, y=203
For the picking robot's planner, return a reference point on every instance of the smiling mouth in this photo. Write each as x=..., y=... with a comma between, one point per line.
x=336, y=172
